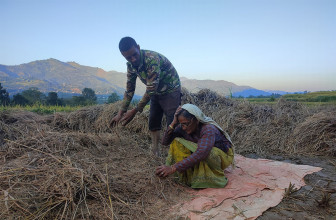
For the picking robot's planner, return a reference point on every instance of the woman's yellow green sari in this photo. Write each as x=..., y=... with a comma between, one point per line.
x=208, y=173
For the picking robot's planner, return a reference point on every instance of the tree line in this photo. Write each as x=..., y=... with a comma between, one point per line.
x=33, y=96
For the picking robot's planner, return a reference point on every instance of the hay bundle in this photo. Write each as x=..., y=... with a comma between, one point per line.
x=140, y=123
x=98, y=119
x=70, y=175
x=18, y=124
x=7, y=132
x=103, y=122
x=40, y=180
x=50, y=190
x=317, y=134
x=84, y=118
x=295, y=111
x=60, y=121
x=207, y=100
x=187, y=97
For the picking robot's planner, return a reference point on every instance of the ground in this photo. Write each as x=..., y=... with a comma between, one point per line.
x=311, y=201
x=73, y=166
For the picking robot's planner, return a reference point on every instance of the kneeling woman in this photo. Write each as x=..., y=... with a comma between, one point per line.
x=199, y=149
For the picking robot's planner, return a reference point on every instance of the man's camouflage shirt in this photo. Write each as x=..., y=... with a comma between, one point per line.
x=156, y=72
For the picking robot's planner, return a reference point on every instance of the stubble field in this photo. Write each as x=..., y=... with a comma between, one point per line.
x=74, y=166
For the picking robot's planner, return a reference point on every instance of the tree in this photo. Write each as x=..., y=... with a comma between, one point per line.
x=33, y=95
x=52, y=99
x=4, y=96
x=79, y=100
x=89, y=95
x=271, y=99
x=19, y=99
x=114, y=97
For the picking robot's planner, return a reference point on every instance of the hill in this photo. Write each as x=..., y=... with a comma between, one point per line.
x=71, y=77
x=54, y=75
x=251, y=92
x=220, y=86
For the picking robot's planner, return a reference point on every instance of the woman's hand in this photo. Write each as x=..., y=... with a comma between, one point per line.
x=163, y=171
x=175, y=120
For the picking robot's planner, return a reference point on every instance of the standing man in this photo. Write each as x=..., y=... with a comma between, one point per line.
x=163, y=88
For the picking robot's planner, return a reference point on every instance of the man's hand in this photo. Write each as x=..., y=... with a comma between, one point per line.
x=117, y=118
x=128, y=116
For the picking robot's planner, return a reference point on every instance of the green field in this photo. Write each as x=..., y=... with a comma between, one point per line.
x=41, y=109
x=311, y=98
x=327, y=96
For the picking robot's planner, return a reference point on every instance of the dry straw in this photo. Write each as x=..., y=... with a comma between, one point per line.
x=285, y=128
x=60, y=169
x=75, y=166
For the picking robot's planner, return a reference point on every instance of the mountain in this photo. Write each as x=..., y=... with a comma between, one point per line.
x=54, y=75
x=251, y=92
x=220, y=86
x=71, y=77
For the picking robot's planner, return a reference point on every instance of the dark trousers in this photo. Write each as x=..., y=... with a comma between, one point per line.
x=163, y=104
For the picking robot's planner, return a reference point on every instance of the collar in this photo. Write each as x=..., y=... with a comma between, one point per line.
x=142, y=58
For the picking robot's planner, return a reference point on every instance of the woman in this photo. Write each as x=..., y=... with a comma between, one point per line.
x=199, y=149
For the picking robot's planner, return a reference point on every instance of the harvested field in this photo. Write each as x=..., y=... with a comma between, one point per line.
x=74, y=166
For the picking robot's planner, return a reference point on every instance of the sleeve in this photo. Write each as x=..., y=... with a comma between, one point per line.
x=143, y=102
x=153, y=77
x=204, y=146
x=170, y=134
x=130, y=88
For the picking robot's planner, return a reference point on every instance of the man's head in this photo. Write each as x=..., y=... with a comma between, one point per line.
x=130, y=50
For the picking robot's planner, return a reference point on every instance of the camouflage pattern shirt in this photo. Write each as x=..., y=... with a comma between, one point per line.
x=156, y=72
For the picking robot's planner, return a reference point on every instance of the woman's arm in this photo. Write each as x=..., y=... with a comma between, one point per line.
x=204, y=146
x=173, y=130
x=170, y=134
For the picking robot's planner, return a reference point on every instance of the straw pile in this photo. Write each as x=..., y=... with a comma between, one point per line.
x=74, y=166
x=317, y=134
x=65, y=167
x=285, y=128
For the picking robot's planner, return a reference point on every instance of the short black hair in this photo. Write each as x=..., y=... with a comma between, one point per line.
x=126, y=43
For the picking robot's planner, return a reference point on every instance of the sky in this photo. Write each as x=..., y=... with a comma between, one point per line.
x=287, y=45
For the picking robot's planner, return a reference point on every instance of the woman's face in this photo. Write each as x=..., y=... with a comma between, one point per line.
x=188, y=125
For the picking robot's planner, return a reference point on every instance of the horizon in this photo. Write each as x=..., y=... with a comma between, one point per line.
x=269, y=91
x=280, y=45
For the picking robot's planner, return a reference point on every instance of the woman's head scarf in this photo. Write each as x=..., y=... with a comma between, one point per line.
x=194, y=110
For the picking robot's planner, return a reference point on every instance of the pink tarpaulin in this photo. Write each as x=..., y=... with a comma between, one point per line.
x=254, y=186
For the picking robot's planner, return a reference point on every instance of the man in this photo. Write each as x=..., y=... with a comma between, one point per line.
x=163, y=88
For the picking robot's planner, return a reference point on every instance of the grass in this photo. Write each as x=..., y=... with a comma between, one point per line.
x=310, y=99
x=41, y=109
x=325, y=96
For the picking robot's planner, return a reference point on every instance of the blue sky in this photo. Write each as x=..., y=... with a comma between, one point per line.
x=287, y=45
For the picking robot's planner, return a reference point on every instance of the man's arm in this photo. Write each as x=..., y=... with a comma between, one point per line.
x=128, y=95
x=143, y=102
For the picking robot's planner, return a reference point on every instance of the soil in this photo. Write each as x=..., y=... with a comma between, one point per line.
x=316, y=200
